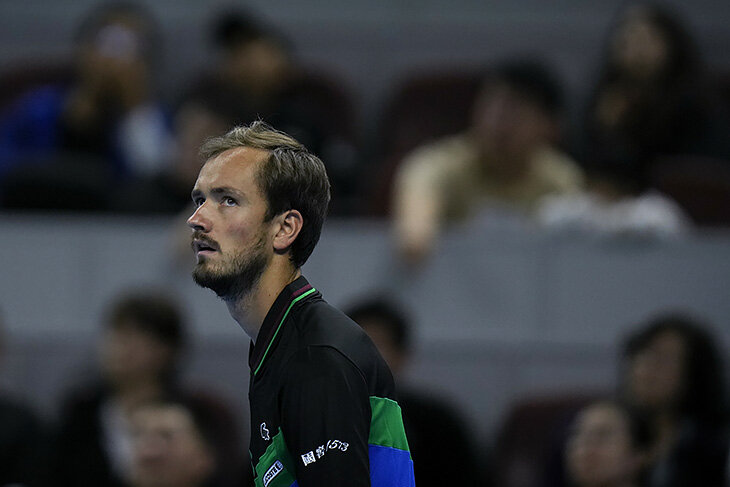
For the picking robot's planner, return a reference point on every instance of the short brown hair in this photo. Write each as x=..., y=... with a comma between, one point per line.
x=290, y=178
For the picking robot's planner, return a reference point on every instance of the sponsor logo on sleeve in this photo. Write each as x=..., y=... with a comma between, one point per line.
x=321, y=450
x=272, y=472
x=308, y=458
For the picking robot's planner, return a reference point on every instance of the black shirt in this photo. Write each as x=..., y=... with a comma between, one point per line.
x=323, y=409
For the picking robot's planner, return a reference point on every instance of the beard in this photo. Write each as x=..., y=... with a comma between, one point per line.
x=235, y=277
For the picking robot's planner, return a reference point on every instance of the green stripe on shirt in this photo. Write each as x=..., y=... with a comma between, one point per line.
x=386, y=424
x=277, y=476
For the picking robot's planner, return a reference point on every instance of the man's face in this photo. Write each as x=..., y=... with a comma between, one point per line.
x=114, y=55
x=231, y=240
x=507, y=126
x=168, y=450
x=260, y=66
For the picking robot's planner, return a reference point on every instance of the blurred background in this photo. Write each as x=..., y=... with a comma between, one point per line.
x=530, y=213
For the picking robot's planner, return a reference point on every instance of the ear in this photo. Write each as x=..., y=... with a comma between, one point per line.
x=289, y=225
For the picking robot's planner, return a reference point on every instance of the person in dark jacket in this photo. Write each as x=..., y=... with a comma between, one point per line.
x=140, y=353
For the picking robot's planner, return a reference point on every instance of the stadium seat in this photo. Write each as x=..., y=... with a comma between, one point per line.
x=701, y=185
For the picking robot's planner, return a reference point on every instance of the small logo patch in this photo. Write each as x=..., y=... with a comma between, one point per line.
x=264, y=432
x=272, y=472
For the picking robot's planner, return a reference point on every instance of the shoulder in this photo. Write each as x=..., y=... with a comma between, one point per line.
x=328, y=339
x=558, y=169
x=320, y=323
x=15, y=415
x=438, y=156
x=83, y=404
x=320, y=363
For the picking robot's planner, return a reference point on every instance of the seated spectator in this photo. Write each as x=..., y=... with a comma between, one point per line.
x=168, y=191
x=607, y=447
x=651, y=97
x=673, y=374
x=23, y=449
x=140, y=355
x=257, y=77
x=430, y=423
x=108, y=119
x=173, y=445
x=508, y=158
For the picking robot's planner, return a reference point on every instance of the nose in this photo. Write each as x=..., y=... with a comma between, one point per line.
x=198, y=220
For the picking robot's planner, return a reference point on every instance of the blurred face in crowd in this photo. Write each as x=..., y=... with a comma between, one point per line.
x=129, y=354
x=168, y=449
x=656, y=373
x=112, y=62
x=599, y=450
x=508, y=128
x=639, y=47
x=194, y=124
x=230, y=235
x=259, y=66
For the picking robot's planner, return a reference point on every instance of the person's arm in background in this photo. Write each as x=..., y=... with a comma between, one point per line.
x=417, y=206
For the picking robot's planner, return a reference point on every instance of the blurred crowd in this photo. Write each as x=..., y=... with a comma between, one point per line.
x=649, y=154
x=136, y=423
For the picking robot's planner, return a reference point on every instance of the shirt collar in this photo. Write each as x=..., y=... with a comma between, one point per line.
x=289, y=296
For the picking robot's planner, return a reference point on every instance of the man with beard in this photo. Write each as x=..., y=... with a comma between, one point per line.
x=323, y=409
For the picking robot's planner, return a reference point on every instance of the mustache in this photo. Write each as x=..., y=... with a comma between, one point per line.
x=199, y=236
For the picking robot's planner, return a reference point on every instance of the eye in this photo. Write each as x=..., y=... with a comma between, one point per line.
x=228, y=201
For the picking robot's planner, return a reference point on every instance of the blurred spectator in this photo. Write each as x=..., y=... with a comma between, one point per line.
x=431, y=424
x=105, y=124
x=168, y=191
x=140, y=355
x=507, y=158
x=257, y=77
x=651, y=98
x=607, y=447
x=173, y=446
x=23, y=451
x=673, y=374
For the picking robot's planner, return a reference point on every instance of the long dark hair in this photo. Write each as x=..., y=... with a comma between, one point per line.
x=703, y=392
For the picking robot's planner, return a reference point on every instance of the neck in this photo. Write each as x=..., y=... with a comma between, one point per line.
x=250, y=309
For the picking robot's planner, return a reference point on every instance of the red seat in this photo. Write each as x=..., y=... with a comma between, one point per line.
x=701, y=185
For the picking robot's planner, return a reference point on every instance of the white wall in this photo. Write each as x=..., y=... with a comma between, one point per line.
x=500, y=311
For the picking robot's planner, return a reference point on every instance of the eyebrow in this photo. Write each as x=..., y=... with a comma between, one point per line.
x=217, y=191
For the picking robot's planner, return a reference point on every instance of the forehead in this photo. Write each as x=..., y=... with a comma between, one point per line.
x=601, y=415
x=235, y=167
x=165, y=417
